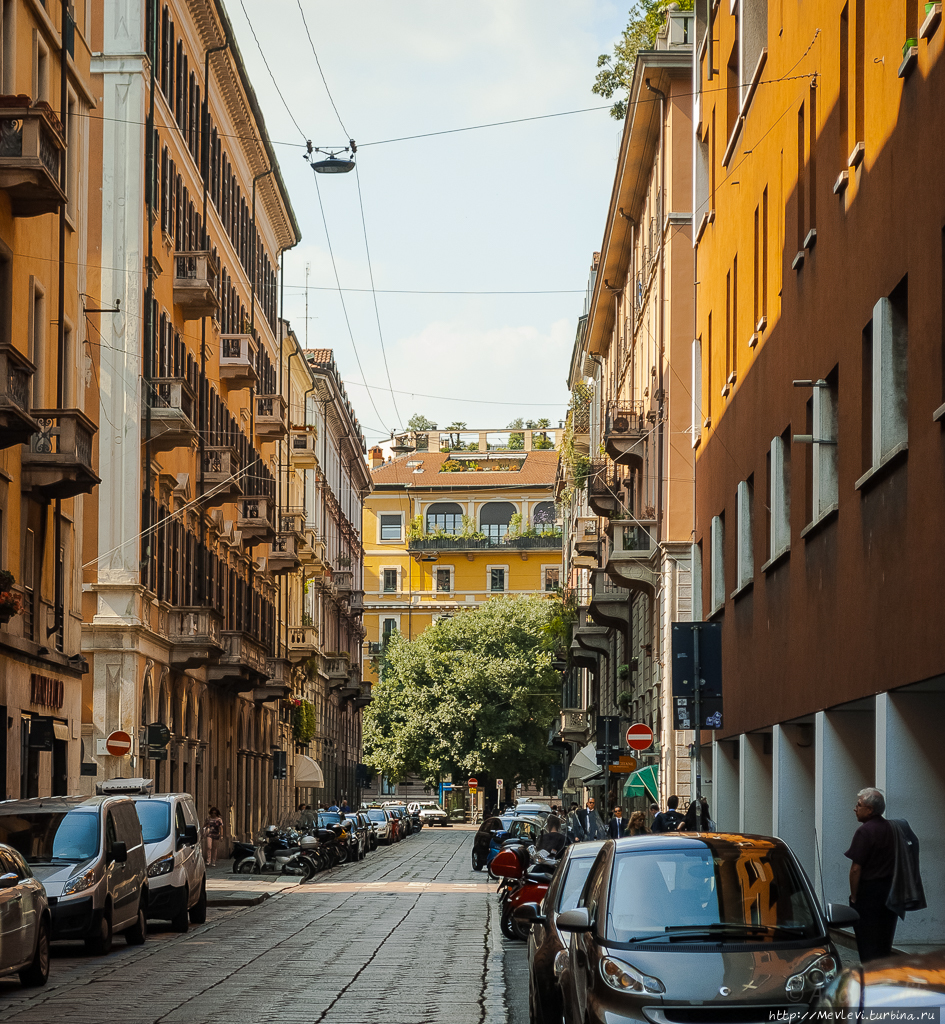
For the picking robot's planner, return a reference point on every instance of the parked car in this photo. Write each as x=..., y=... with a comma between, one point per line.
x=494, y=831
x=726, y=923
x=547, y=947
x=24, y=921
x=177, y=874
x=431, y=813
x=89, y=854
x=384, y=824
x=359, y=833
x=404, y=823
x=529, y=810
x=369, y=827
x=354, y=840
x=913, y=982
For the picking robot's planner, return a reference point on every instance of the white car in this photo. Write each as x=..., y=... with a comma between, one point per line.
x=431, y=813
x=177, y=874
x=24, y=921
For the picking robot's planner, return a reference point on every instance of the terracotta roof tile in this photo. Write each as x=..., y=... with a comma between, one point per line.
x=538, y=470
x=319, y=355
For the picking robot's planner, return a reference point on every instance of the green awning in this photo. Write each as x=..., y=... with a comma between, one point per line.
x=644, y=780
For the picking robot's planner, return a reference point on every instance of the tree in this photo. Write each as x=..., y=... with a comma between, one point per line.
x=615, y=73
x=472, y=693
x=419, y=422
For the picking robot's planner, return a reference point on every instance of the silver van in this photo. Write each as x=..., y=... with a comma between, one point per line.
x=89, y=854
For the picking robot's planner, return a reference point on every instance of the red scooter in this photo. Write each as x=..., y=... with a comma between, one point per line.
x=525, y=876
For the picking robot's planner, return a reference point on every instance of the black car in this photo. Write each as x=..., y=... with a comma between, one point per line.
x=493, y=831
x=547, y=947
x=901, y=982
x=728, y=923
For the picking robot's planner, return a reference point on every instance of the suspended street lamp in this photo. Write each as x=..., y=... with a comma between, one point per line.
x=333, y=163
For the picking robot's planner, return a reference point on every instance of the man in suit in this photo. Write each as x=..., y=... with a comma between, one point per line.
x=670, y=819
x=617, y=827
x=589, y=825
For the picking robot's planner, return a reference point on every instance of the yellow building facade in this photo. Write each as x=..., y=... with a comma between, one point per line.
x=458, y=521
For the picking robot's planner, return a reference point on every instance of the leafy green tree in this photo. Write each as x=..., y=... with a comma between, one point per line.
x=472, y=693
x=419, y=422
x=615, y=72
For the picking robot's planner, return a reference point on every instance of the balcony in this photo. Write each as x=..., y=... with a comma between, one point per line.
x=582, y=657
x=545, y=541
x=16, y=423
x=254, y=518
x=31, y=152
x=302, y=442
x=238, y=360
x=283, y=554
x=364, y=697
x=343, y=581
x=195, y=635
x=279, y=683
x=172, y=405
x=602, y=493
x=57, y=462
x=610, y=604
x=575, y=726
x=221, y=466
x=352, y=688
x=271, y=417
x=242, y=664
x=587, y=537
x=633, y=545
x=313, y=550
x=626, y=428
x=337, y=667
x=303, y=643
x=356, y=602
x=592, y=636
x=195, y=284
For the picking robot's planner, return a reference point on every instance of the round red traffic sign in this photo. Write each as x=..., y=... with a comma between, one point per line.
x=118, y=743
x=473, y=782
x=639, y=736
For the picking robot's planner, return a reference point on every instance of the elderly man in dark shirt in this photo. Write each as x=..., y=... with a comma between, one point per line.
x=873, y=856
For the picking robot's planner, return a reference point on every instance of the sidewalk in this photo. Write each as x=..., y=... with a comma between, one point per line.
x=225, y=889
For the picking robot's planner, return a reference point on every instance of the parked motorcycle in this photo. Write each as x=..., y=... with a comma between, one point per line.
x=275, y=853
x=526, y=874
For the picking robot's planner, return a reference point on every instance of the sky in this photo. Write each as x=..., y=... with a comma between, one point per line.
x=514, y=208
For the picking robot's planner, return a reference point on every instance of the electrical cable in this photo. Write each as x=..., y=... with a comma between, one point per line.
x=417, y=291
x=474, y=401
x=322, y=73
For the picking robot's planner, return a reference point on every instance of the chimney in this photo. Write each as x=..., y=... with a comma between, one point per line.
x=377, y=458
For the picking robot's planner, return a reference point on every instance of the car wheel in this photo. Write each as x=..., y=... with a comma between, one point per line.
x=101, y=943
x=198, y=912
x=37, y=974
x=477, y=860
x=138, y=932
x=508, y=925
x=180, y=922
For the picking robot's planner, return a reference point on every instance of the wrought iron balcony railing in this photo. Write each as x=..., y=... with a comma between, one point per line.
x=17, y=425
x=195, y=277
x=58, y=460
x=238, y=360
x=31, y=152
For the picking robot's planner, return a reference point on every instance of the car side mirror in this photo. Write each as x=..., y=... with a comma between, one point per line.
x=188, y=837
x=528, y=914
x=9, y=880
x=577, y=920
x=119, y=852
x=838, y=915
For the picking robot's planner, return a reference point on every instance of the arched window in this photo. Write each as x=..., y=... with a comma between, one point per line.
x=543, y=516
x=494, y=518
x=446, y=516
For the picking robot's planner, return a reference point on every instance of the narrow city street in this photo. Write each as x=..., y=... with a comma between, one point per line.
x=409, y=936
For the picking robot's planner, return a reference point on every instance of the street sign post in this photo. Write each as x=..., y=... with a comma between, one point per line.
x=472, y=783
x=639, y=736
x=500, y=784
x=118, y=743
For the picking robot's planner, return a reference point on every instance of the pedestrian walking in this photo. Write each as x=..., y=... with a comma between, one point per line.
x=670, y=819
x=697, y=818
x=553, y=840
x=590, y=827
x=872, y=855
x=344, y=805
x=213, y=831
x=636, y=826
x=617, y=827
x=654, y=810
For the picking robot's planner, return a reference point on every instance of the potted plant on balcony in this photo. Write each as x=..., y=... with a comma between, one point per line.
x=11, y=603
x=304, y=722
x=624, y=701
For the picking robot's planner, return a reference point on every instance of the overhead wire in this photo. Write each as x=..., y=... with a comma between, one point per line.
x=318, y=64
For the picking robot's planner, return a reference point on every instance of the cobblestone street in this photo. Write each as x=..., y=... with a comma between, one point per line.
x=408, y=936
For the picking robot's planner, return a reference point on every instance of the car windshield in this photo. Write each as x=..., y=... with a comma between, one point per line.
x=377, y=815
x=731, y=891
x=44, y=838
x=570, y=892
x=155, y=818
x=328, y=818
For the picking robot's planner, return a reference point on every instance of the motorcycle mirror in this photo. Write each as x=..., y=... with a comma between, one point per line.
x=528, y=914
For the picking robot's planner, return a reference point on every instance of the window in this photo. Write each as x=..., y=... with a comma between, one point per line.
x=497, y=580
x=444, y=579
x=544, y=516
x=392, y=526
x=779, y=497
x=696, y=393
x=885, y=380
x=717, y=554
x=8, y=47
x=72, y=157
x=444, y=516
x=824, y=480
x=40, y=69
x=744, y=555
x=552, y=579
x=494, y=518
x=390, y=580
x=38, y=343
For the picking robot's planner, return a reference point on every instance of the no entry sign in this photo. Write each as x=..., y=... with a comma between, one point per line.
x=118, y=743
x=639, y=736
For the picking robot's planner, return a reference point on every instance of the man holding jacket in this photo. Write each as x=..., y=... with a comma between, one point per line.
x=588, y=825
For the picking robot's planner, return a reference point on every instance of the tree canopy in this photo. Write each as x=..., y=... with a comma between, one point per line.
x=419, y=422
x=473, y=693
x=615, y=72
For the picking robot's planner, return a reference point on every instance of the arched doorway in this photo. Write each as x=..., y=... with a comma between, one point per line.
x=494, y=519
x=445, y=517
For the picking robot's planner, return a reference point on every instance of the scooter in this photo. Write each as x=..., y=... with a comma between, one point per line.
x=526, y=875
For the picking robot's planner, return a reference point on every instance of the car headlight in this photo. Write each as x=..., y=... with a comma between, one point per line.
x=78, y=883
x=624, y=978
x=561, y=963
x=164, y=866
x=814, y=977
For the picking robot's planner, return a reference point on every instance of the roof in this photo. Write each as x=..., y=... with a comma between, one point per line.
x=538, y=470
x=319, y=355
x=52, y=804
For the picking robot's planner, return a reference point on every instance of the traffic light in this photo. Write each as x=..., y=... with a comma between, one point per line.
x=279, y=764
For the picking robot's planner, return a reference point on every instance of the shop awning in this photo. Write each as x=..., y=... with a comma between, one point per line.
x=308, y=772
x=644, y=781
x=583, y=764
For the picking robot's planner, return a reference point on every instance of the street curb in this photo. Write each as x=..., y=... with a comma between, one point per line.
x=238, y=901
x=494, y=1008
